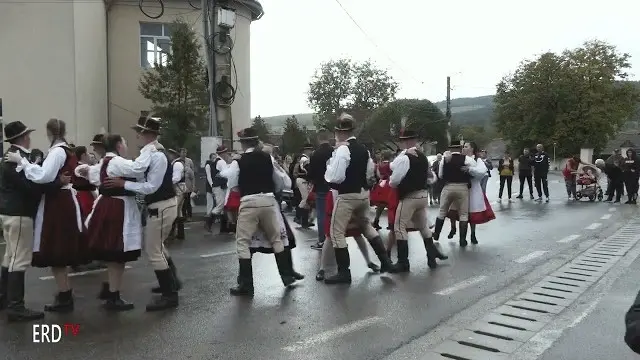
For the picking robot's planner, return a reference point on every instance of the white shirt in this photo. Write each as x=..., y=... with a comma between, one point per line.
x=220, y=165
x=336, y=171
x=48, y=171
x=399, y=168
x=468, y=161
x=118, y=167
x=178, y=171
x=232, y=174
x=156, y=162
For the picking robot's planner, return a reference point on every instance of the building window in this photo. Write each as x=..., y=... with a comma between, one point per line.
x=155, y=44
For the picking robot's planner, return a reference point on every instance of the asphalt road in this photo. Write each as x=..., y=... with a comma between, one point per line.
x=371, y=319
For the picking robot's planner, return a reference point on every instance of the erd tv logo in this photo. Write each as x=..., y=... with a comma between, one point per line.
x=46, y=333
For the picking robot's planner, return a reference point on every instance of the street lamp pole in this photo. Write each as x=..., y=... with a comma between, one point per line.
x=554, y=156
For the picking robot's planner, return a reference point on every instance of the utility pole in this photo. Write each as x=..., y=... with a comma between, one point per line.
x=448, y=112
x=208, y=8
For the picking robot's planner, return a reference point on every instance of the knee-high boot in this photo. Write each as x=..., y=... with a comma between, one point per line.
x=289, y=260
x=285, y=270
x=245, y=279
x=463, y=233
x=433, y=253
x=344, y=273
x=16, y=311
x=385, y=262
x=169, y=289
x=403, y=256
x=438, y=229
x=180, y=228
x=174, y=272
x=4, y=285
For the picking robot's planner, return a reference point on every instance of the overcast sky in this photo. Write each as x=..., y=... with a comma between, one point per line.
x=422, y=42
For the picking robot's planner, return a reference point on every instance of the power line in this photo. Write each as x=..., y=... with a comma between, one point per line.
x=376, y=45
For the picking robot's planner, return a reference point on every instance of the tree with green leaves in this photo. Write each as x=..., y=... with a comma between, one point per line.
x=481, y=135
x=422, y=116
x=575, y=99
x=262, y=128
x=294, y=136
x=178, y=91
x=343, y=84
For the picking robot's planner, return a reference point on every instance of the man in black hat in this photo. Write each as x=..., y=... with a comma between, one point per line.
x=98, y=146
x=19, y=200
x=258, y=181
x=303, y=185
x=178, y=177
x=216, y=187
x=162, y=210
x=457, y=182
x=409, y=176
x=349, y=171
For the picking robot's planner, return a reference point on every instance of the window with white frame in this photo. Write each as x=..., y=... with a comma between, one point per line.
x=155, y=44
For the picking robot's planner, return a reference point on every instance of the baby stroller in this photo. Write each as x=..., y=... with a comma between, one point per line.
x=589, y=181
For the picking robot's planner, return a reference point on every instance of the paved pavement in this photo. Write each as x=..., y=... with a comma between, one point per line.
x=377, y=317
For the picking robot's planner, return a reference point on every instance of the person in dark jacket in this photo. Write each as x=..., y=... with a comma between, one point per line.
x=525, y=172
x=505, y=170
x=316, y=169
x=631, y=175
x=616, y=158
x=296, y=193
x=613, y=171
x=632, y=322
x=541, y=164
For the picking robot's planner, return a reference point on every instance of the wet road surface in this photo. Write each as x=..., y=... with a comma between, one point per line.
x=372, y=318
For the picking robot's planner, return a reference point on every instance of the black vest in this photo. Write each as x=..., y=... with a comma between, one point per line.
x=256, y=173
x=112, y=191
x=212, y=169
x=182, y=179
x=452, y=170
x=356, y=173
x=416, y=178
x=165, y=191
x=18, y=196
x=304, y=175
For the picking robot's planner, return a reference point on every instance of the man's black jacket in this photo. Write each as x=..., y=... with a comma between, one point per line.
x=318, y=166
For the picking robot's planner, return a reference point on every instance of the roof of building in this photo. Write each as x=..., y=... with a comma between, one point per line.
x=254, y=6
x=624, y=139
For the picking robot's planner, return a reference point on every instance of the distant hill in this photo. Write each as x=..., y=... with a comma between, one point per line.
x=277, y=122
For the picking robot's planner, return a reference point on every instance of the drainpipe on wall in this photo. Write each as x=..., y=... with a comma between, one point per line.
x=108, y=4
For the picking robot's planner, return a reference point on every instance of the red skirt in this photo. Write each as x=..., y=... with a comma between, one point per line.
x=379, y=195
x=476, y=218
x=104, y=233
x=233, y=202
x=85, y=200
x=61, y=242
x=352, y=229
x=392, y=206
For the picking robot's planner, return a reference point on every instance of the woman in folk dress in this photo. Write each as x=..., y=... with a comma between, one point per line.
x=480, y=211
x=86, y=191
x=380, y=193
x=114, y=226
x=58, y=241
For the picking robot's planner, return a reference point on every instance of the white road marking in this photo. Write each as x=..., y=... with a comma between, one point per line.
x=613, y=209
x=3, y=243
x=593, y=226
x=329, y=335
x=461, y=285
x=568, y=239
x=80, y=273
x=218, y=254
x=530, y=257
x=606, y=216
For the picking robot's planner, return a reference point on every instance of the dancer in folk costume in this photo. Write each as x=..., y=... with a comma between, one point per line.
x=232, y=197
x=410, y=179
x=316, y=168
x=303, y=185
x=328, y=259
x=58, y=241
x=160, y=206
x=380, y=192
x=480, y=211
x=98, y=146
x=19, y=198
x=85, y=190
x=258, y=181
x=178, y=177
x=216, y=187
x=114, y=227
x=349, y=171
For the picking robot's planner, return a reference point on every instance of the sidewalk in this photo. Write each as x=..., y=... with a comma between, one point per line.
x=600, y=335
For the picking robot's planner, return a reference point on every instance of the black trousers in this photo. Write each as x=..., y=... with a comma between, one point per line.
x=529, y=179
x=631, y=184
x=617, y=188
x=187, y=211
x=542, y=184
x=508, y=180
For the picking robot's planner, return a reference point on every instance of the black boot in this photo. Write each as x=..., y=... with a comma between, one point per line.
x=224, y=225
x=438, y=229
x=169, y=297
x=115, y=302
x=208, y=222
x=296, y=275
x=174, y=272
x=304, y=218
x=296, y=217
x=63, y=303
x=245, y=279
x=344, y=274
x=385, y=262
x=463, y=233
x=433, y=253
x=403, y=256
x=104, y=291
x=282, y=260
x=180, y=228
x=452, y=233
x=15, y=309
x=4, y=285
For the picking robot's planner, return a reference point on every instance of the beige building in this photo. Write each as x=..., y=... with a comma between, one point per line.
x=81, y=61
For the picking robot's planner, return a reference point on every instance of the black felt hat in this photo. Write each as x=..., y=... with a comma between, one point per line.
x=221, y=149
x=15, y=129
x=98, y=139
x=247, y=134
x=308, y=146
x=173, y=151
x=346, y=122
x=147, y=124
x=407, y=134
